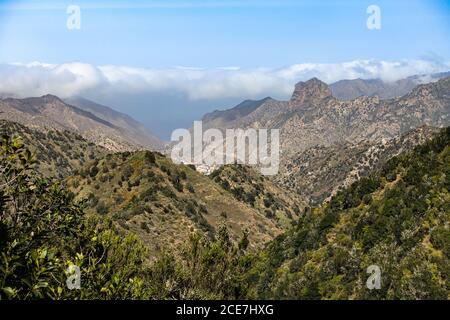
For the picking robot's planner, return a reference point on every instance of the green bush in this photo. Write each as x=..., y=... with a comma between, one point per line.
x=43, y=232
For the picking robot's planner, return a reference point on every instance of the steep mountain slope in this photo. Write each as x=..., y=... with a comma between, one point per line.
x=326, y=143
x=58, y=153
x=352, y=89
x=321, y=171
x=164, y=203
x=397, y=219
x=249, y=186
x=51, y=113
x=314, y=117
x=219, y=118
x=133, y=130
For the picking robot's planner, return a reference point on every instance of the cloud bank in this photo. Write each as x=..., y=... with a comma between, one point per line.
x=72, y=79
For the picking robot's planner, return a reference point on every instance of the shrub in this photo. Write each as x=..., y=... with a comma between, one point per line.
x=43, y=232
x=102, y=208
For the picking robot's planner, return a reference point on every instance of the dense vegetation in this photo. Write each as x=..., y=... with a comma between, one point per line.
x=250, y=187
x=397, y=218
x=206, y=269
x=43, y=233
x=57, y=153
x=163, y=203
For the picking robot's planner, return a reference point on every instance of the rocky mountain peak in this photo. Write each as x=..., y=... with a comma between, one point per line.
x=50, y=98
x=310, y=91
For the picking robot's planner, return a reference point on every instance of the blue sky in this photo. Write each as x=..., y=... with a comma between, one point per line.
x=222, y=33
x=168, y=62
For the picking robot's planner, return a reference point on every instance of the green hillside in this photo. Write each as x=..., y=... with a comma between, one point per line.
x=397, y=219
x=44, y=234
x=139, y=226
x=164, y=203
x=246, y=185
x=58, y=153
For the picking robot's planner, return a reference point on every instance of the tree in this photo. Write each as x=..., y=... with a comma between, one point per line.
x=207, y=269
x=43, y=233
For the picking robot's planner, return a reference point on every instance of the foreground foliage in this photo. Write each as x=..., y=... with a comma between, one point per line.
x=43, y=233
x=207, y=269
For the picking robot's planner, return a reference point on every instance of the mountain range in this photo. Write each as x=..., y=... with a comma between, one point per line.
x=324, y=137
x=131, y=129
x=314, y=117
x=362, y=181
x=98, y=124
x=351, y=89
x=326, y=143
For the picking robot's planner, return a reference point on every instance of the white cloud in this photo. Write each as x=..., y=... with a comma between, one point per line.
x=69, y=79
